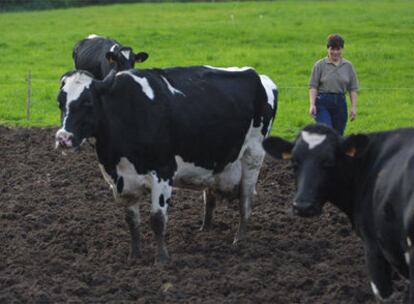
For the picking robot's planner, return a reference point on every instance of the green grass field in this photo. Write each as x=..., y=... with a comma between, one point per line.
x=282, y=39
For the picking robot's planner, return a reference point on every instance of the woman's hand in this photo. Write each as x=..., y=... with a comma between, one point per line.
x=312, y=110
x=353, y=114
x=312, y=100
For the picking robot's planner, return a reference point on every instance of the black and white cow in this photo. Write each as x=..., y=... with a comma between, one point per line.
x=370, y=177
x=191, y=127
x=94, y=54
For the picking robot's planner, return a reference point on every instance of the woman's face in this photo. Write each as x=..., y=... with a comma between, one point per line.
x=334, y=53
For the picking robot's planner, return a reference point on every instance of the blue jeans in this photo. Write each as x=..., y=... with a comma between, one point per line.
x=331, y=110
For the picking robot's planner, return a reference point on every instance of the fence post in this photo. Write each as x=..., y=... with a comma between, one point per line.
x=29, y=89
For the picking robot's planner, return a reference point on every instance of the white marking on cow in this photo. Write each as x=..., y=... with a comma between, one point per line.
x=376, y=291
x=269, y=127
x=230, y=177
x=74, y=86
x=253, y=141
x=62, y=80
x=142, y=81
x=63, y=136
x=313, y=139
x=229, y=69
x=108, y=179
x=171, y=88
x=92, y=36
x=409, y=242
x=252, y=156
x=188, y=175
x=160, y=187
x=126, y=53
x=134, y=183
x=135, y=210
x=112, y=49
x=246, y=166
x=269, y=87
x=407, y=257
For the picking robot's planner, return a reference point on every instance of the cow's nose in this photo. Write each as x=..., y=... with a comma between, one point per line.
x=306, y=209
x=64, y=139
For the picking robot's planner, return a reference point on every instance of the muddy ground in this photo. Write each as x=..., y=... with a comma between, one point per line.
x=64, y=239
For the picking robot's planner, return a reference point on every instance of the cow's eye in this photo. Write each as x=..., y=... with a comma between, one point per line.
x=329, y=164
x=87, y=103
x=74, y=107
x=295, y=164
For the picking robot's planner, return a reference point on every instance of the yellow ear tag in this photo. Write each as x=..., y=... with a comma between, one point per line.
x=351, y=152
x=286, y=155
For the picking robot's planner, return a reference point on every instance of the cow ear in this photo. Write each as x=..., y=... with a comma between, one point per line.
x=111, y=57
x=103, y=86
x=278, y=147
x=355, y=145
x=141, y=57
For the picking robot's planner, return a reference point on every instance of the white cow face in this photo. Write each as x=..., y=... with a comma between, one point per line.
x=78, y=102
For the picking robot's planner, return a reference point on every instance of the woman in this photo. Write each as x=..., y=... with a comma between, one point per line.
x=331, y=78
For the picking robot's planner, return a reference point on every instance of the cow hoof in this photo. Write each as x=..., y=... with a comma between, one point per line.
x=162, y=261
x=205, y=228
x=390, y=300
x=237, y=240
x=240, y=236
x=134, y=256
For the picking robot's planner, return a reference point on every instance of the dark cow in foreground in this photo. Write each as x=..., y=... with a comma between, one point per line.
x=94, y=54
x=191, y=127
x=370, y=177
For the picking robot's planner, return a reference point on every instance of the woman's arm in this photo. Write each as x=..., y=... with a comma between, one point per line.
x=353, y=113
x=313, y=92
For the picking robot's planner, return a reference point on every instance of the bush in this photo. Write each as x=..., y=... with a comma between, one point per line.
x=49, y=4
x=18, y=5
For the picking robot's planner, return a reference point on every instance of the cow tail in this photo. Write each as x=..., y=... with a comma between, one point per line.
x=267, y=97
x=409, y=221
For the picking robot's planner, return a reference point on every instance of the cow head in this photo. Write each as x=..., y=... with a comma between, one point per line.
x=79, y=103
x=317, y=155
x=124, y=57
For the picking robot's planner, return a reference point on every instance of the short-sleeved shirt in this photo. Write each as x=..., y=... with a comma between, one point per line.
x=327, y=77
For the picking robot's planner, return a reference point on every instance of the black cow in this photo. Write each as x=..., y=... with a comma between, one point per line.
x=94, y=54
x=370, y=177
x=191, y=127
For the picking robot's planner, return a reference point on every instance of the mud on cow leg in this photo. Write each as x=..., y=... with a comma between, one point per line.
x=251, y=163
x=132, y=218
x=160, y=196
x=409, y=257
x=380, y=272
x=209, y=206
x=158, y=225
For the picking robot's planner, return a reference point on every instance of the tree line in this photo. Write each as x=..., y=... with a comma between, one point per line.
x=8, y=5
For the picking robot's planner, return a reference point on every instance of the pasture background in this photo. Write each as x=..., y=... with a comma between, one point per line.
x=282, y=39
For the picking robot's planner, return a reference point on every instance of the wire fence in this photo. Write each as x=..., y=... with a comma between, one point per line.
x=23, y=81
x=26, y=84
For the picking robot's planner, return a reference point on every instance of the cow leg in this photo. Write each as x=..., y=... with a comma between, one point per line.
x=209, y=205
x=251, y=163
x=380, y=272
x=133, y=220
x=409, y=257
x=160, y=198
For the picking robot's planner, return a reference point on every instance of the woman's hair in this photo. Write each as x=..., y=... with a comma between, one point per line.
x=335, y=41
